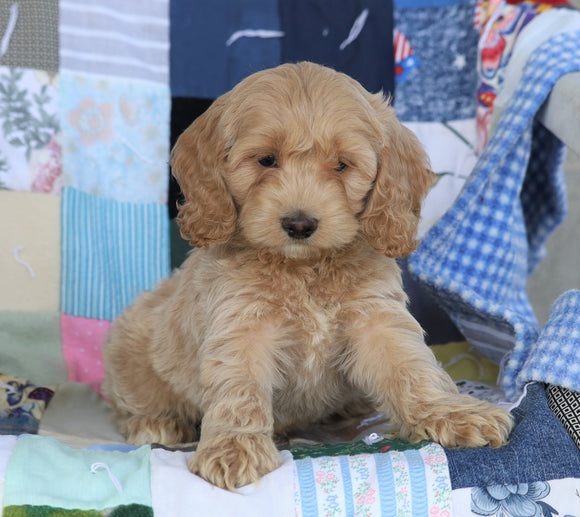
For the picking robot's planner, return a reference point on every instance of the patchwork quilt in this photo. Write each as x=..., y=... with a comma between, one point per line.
x=536, y=474
x=92, y=96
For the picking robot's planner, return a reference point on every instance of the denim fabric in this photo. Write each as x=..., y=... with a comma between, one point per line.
x=540, y=449
x=441, y=82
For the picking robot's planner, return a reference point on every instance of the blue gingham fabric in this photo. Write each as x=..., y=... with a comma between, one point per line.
x=477, y=258
x=555, y=358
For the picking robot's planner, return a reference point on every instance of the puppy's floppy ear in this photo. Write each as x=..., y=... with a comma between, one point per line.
x=391, y=216
x=208, y=213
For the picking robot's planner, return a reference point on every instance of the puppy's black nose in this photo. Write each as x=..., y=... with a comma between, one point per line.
x=299, y=226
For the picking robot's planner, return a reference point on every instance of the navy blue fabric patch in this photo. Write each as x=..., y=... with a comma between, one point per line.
x=206, y=61
x=443, y=83
x=355, y=38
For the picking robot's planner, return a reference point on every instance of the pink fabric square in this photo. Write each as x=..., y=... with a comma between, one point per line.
x=82, y=340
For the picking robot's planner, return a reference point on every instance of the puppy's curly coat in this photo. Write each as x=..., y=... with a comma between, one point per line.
x=300, y=189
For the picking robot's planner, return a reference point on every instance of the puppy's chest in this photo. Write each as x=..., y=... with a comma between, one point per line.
x=313, y=380
x=316, y=326
x=313, y=320
x=310, y=304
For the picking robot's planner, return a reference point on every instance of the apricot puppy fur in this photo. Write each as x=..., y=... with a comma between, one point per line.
x=300, y=190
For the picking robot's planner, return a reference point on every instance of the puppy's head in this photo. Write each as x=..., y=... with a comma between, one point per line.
x=301, y=159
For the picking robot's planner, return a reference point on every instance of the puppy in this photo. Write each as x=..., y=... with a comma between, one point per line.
x=300, y=188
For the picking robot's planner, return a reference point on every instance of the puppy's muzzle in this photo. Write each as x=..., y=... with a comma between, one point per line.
x=299, y=226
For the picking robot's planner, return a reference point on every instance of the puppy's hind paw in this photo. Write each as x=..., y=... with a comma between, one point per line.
x=463, y=423
x=141, y=430
x=232, y=462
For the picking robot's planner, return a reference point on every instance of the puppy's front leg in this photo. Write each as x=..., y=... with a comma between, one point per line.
x=238, y=372
x=391, y=363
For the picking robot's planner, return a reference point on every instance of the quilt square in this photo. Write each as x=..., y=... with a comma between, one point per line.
x=30, y=152
x=440, y=81
x=31, y=346
x=75, y=479
x=82, y=341
x=30, y=257
x=30, y=33
x=22, y=404
x=111, y=252
x=122, y=39
x=115, y=138
x=222, y=42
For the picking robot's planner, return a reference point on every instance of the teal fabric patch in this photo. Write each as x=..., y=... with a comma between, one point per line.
x=111, y=252
x=44, y=472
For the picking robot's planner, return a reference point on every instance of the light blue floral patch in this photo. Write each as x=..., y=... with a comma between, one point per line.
x=521, y=500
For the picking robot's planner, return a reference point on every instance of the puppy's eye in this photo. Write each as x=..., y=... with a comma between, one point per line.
x=268, y=161
x=341, y=167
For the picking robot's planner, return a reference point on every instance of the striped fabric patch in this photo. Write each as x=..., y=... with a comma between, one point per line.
x=111, y=252
x=397, y=483
x=112, y=38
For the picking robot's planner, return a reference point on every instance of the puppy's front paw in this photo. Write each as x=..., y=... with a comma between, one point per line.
x=462, y=422
x=231, y=462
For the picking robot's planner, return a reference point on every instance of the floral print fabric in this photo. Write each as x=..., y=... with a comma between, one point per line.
x=30, y=150
x=22, y=404
x=551, y=498
x=115, y=138
x=522, y=499
x=500, y=23
x=397, y=483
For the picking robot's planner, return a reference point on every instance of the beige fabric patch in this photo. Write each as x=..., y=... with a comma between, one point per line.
x=29, y=251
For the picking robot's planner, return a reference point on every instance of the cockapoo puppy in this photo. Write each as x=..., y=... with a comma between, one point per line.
x=300, y=190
